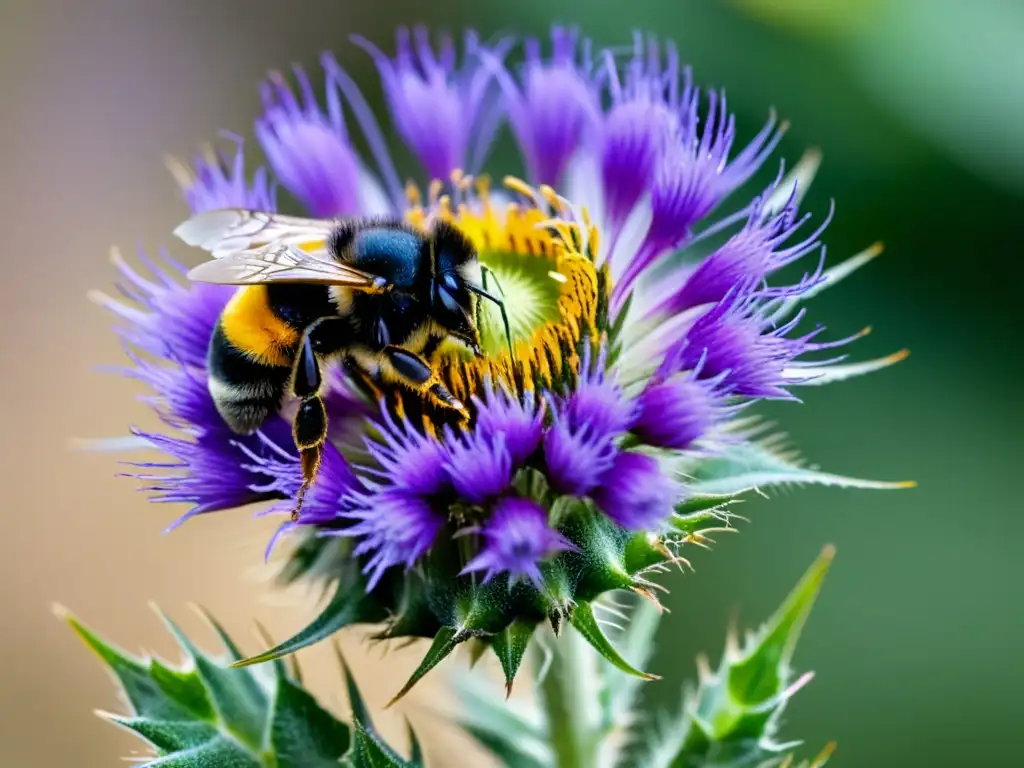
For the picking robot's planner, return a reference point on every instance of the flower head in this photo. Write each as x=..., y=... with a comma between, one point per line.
x=677, y=412
x=436, y=104
x=553, y=104
x=308, y=147
x=218, y=180
x=636, y=494
x=599, y=387
x=393, y=527
x=517, y=538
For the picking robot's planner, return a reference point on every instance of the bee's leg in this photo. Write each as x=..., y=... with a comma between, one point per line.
x=416, y=372
x=310, y=426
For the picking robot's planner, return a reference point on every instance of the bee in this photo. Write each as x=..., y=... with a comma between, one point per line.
x=375, y=293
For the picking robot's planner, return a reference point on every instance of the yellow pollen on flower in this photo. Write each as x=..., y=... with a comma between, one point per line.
x=524, y=243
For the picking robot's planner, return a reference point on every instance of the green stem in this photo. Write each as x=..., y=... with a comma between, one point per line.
x=569, y=697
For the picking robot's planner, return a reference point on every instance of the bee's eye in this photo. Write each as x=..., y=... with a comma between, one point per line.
x=450, y=282
x=444, y=298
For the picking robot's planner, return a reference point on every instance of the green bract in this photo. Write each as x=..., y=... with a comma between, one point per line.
x=207, y=714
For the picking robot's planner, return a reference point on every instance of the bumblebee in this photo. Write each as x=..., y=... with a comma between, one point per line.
x=375, y=293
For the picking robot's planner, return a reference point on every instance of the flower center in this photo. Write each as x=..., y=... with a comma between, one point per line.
x=541, y=266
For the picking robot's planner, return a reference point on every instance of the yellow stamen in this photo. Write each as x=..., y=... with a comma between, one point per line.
x=529, y=229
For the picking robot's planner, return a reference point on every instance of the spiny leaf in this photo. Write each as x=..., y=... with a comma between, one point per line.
x=219, y=753
x=240, y=701
x=146, y=696
x=415, y=749
x=444, y=643
x=582, y=618
x=755, y=465
x=509, y=646
x=827, y=374
x=168, y=735
x=346, y=607
x=186, y=688
x=302, y=733
x=371, y=752
x=707, y=502
x=360, y=713
x=759, y=674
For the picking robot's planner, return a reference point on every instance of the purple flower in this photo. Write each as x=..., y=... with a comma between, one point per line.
x=393, y=526
x=738, y=342
x=693, y=176
x=219, y=181
x=516, y=539
x=576, y=460
x=598, y=404
x=436, y=106
x=676, y=412
x=212, y=469
x=636, y=494
x=642, y=123
x=309, y=149
x=553, y=105
x=521, y=422
x=180, y=396
x=165, y=318
x=479, y=465
x=407, y=459
x=749, y=256
x=321, y=505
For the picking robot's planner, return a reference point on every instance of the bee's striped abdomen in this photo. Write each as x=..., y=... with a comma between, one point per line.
x=250, y=359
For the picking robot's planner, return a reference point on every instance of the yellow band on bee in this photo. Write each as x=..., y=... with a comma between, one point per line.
x=252, y=327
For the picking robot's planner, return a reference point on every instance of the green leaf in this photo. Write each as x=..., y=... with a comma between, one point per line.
x=348, y=606
x=185, y=688
x=222, y=752
x=755, y=465
x=241, y=703
x=146, y=696
x=302, y=733
x=509, y=646
x=371, y=752
x=763, y=669
x=415, y=749
x=582, y=618
x=442, y=646
x=168, y=735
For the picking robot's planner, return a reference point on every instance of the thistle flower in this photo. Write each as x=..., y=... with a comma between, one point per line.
x=585, y=444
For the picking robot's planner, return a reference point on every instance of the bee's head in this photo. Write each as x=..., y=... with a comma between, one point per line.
x=452, y=309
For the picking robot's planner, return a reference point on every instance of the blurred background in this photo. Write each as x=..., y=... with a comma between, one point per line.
x=919, y=109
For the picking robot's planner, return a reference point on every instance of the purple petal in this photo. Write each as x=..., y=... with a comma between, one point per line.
x=479, y=465
x=220, y=181
x=516, y=539
x=636, y=494
x=309, y=149
x=521, y=423
x=393, y=528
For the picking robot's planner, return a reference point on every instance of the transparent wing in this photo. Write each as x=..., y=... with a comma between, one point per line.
x=231, y=230
x=282, y=263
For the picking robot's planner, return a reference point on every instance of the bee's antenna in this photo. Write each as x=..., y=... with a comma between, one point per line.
x=484, y=272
